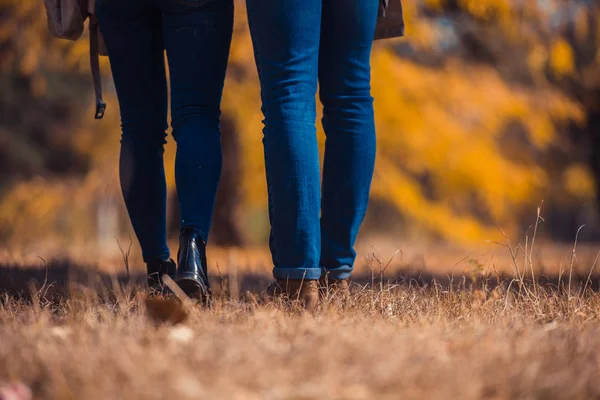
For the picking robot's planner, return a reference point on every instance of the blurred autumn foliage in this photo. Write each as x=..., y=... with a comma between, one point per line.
x=485, y=109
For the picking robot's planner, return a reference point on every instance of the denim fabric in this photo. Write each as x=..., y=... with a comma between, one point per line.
x=297, y=44
x=196, y=35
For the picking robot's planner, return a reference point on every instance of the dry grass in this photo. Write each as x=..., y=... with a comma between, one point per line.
x=469, y=341
x=404, y=333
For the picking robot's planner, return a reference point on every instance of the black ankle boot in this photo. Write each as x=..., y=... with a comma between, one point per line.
x=192, y=276
x=156, y=269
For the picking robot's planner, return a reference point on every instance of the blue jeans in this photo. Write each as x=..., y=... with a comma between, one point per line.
x=196, y=35
x=297, y=44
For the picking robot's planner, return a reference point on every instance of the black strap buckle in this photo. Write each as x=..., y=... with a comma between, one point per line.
x=100, y=109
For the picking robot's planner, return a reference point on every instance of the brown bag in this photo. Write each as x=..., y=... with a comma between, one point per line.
x=390, y=20
x=66, y=21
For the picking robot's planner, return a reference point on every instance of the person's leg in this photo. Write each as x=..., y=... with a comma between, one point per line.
x=197, y=36
x=133, y=35
x=197, y=40
x=285, y=35
x=347, y=31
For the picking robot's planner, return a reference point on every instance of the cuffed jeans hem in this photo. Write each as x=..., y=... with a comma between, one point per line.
x=303, y=273
x=339, y=273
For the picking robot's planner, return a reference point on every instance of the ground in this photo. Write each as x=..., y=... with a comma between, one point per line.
x=476, y=332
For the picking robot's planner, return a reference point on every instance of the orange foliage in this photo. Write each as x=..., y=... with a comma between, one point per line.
x=458, y=143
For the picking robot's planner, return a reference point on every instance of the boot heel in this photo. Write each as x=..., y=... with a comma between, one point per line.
x=191, y=272
x=192, y=288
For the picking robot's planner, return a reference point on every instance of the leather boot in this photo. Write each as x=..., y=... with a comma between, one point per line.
x=339, y=288
x=156, y=269
x=192, y=275
x=305, y=291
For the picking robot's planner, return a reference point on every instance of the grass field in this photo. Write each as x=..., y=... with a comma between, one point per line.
x=476, y=332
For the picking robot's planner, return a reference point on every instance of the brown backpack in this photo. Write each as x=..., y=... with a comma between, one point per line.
x=66, y=21
x=390, y=20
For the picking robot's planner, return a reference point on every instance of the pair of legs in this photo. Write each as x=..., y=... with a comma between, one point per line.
x=196, y=35
x=298, y=45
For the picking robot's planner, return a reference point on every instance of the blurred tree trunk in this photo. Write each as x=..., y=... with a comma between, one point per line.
x=594, y=133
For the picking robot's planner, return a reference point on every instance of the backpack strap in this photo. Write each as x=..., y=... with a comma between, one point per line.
x=95, y=66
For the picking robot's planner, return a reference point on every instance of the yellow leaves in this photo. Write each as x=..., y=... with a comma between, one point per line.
x=562, y=58
x=541, y=125
x=29, y=62
x=435, y=4
x=537, y=60
x=241, y=102
x=540, y=130
x=406, y=195
x=486, y=9
x=578, y=181
x=31, y=201
x=450, y=123
x=78, y=55
x=241, y=46
x=444, y=161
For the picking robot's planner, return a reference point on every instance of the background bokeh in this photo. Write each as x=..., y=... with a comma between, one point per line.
x=485, y=110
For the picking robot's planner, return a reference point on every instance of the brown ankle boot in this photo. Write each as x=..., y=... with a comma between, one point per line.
x=305, y=291
x=336, y=287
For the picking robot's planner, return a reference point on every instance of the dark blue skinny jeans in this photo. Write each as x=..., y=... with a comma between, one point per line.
x=196, y=35
x=297, y=45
